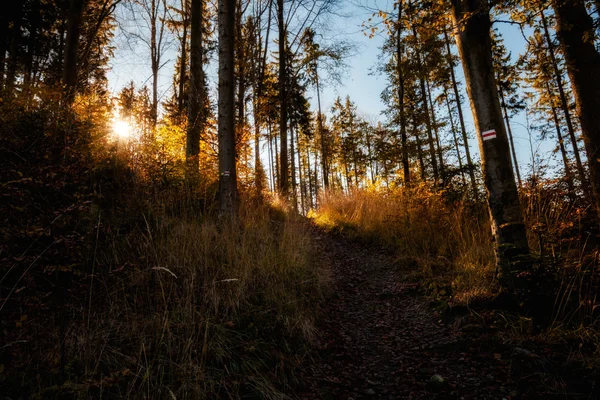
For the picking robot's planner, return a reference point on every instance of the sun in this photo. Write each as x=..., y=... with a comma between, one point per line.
x=121, y=128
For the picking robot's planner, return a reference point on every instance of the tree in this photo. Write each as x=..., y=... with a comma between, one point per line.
x=197, y=93
x=507, y=77
x=563, y=100
x=461, y=119
x=575, y=31
x=154, y=15
x=283, y=174
x=226, y=118
x=473, y=25
x=70, y=71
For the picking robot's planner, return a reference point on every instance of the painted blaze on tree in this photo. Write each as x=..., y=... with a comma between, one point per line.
x=473, y=25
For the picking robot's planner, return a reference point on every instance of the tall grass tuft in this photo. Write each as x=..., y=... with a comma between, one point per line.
x=441, y=240
x=179, y=303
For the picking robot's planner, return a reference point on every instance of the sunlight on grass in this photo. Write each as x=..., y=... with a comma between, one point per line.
x=449, y=244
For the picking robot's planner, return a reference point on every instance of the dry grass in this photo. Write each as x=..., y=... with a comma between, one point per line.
x=182, y=304
x=449, y=244
x=451, y=241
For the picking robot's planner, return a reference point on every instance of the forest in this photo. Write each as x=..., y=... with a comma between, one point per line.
x=199, y=201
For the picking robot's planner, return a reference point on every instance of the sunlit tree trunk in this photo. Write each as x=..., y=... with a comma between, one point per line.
x=226, y=118
x=271, y=162
x=300, y=176
x=473, y=26
x=293, y=167
x=575, y=31
x=310, y=179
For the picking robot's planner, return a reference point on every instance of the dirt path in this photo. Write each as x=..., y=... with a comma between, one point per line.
x=381, y=340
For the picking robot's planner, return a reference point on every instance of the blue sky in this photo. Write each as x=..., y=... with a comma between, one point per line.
x=359, y=82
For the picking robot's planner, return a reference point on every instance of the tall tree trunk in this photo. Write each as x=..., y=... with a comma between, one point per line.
x=436, y=133
x=400, y=72
x=196, y=112
x=510, y=136
x=258, y=95
x=474, y=43
x=419, y=145
x=271, y=162
x=575, y=29
x=4, y=42
x=277, y=164
x=454, y=136
x=424, y=101
x=300, y=175
x=283, y=175
x=310, y=179
x=293, y=167
x=70, y=70
x=564, y=102
x=183, y=60
x=226, y=119
x=561, y=144
x=461, y=119
x=324, y=156
x=370, y=157
x=316, y=172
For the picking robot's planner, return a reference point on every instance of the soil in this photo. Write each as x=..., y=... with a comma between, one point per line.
x=382, y=339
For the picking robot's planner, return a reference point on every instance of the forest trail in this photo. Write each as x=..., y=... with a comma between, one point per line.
x=380, y=339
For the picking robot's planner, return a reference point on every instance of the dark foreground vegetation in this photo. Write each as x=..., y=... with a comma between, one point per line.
x=117, y=287
x=222, y=239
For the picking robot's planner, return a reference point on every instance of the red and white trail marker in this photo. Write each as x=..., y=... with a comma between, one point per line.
x=487, y=135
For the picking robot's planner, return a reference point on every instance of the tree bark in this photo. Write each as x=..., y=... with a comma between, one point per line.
x=419, y=145
x=4, y=38
x=432, y=153
x=183, y=60
x=400, y=72
x=473, y=23
x=258, y=168
x=226, y=118
x=283, y=175
x=436, y=133
x=293, y=167
x=564, y=104
x=461, y=119
x=510, y=137
x=321, y=133
x=454, y=136
x=561, y=144
x=575, y=30
x=70, y=70
x=196, y=114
